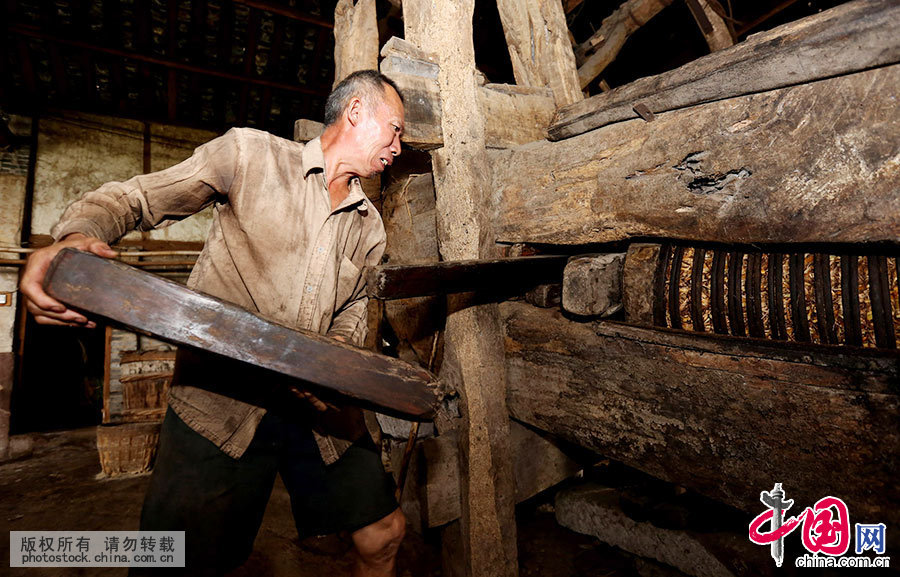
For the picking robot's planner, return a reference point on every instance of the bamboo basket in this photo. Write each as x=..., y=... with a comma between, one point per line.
x=145, y=390
x=129, y=448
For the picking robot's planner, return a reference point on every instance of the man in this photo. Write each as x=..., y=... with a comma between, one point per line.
x=291, y=233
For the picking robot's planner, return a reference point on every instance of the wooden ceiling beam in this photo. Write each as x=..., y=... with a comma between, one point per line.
x=597, y=52
x=165, y=62
x=286, y=11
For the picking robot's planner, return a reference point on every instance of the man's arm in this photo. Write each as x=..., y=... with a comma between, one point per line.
x=350, y=322
x=147, y=201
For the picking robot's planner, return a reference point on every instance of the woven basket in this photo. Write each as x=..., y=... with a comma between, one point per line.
x=128, y=448
x=145, y=391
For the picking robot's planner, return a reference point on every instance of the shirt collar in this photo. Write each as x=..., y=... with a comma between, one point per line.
x=313, y=158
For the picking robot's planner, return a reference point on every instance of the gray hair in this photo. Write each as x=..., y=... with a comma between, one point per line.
x=362, y=83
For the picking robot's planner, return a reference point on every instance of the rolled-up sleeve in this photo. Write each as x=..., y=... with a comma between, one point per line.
x=157, y=199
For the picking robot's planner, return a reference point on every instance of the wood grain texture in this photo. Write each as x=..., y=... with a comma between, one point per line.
x=512, y=115
x=355, y=37
x=720, y=415
x=848, y=38
x=539, y=463
x=152, y=305
x=538, y=40
x=810, y=163
x=473, y=343
x=597, y=52
x=712, y=26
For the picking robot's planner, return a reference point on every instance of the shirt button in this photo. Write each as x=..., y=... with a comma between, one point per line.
x=321, y=250
x=309, y=288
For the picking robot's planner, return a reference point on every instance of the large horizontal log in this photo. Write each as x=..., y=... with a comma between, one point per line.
x=496, y=275
x=513, y=115
x=150, y=304
x=810, y=163
x=726, y=417
x=849, y=38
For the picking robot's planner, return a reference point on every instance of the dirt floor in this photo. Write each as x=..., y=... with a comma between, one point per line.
x=60, y=487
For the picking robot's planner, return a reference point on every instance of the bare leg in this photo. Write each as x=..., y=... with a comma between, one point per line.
x=377, y=545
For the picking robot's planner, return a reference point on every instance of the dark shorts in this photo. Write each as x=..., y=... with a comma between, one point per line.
x=219, y=501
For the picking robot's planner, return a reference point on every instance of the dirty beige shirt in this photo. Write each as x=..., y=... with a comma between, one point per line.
x=275, y=248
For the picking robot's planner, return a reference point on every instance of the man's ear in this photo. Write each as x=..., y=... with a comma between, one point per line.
x=354, y=111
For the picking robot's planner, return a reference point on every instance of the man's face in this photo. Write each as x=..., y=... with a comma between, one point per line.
x=378, y=133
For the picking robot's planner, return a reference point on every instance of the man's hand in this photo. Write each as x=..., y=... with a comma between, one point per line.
x=47, y=310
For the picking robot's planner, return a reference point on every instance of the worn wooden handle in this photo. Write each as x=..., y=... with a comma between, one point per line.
x=151, y=304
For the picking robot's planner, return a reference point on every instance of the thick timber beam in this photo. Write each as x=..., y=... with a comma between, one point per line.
x=848, y=38
x=502, y=275
x=473, y=341
x=538, y=40
x=811, y=163
x=726, y=417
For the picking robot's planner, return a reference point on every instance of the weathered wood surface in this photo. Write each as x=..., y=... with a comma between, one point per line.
x=810, y=163
x=597, y=52
x=502, y=275
x=712, y=26
x=513, y=115
x=592, y=284
x=356, y=48
x=539, y=463
x=538, y=40
x=473, y=349
x=150, y=304
x=305, y=130
x=410, y=222
x=355, y=37
x=848, y=38
x=639, y=282
x=723, y=416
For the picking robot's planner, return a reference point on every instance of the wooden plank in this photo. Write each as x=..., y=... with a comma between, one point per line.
x=150, y=304
x=721, y=415
x=513, y=115
x=597, y=52
x=761, y=168
x=539, y=48
x=850, y=299
x=848, y=38
x=473, y=339
x=499, y=276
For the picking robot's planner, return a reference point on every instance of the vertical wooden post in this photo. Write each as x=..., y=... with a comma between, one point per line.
x=356, y=48
x=355, y=37
x=539, y=47
x=473, y=350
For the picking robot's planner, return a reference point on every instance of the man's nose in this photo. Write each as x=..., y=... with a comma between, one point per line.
x=396, y=148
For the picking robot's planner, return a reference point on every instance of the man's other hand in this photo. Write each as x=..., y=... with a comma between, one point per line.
x=47, y=310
